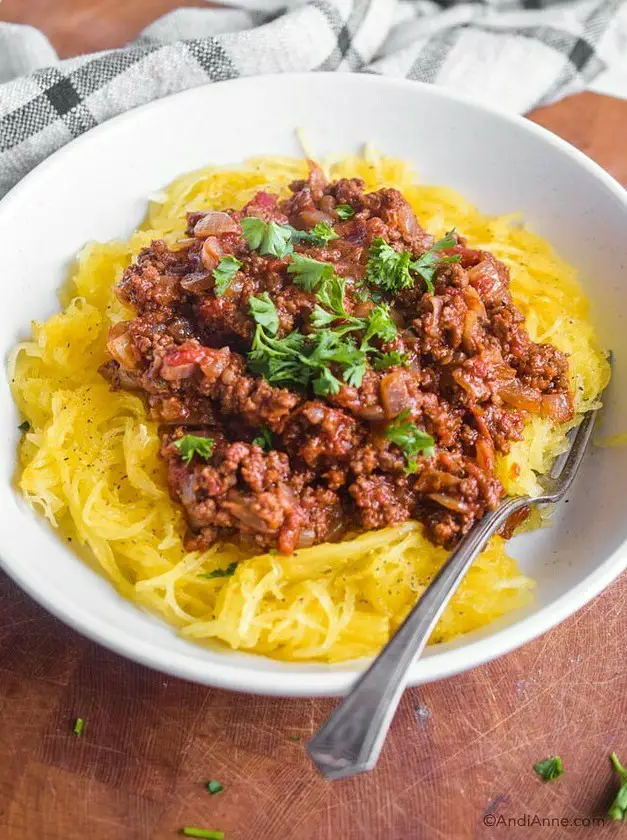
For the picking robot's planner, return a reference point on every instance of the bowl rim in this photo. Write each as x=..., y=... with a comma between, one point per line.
x=333, y=682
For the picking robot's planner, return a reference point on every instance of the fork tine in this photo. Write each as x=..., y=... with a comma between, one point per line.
x=575, y=455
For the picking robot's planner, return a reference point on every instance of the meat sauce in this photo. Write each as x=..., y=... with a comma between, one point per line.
x=468, y=376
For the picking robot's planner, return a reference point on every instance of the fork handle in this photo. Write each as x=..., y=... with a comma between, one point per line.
x=351, y=739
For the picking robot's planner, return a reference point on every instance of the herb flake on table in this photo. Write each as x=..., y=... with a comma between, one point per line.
x=214, y=787
x=618, y=808
x=550, y=769
x=79, y=727
x=204, y=833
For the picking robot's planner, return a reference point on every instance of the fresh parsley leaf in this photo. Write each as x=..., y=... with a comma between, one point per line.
x=203, y=833
x=386, y=268
x=427, y=263
x=277, y=241
x=189, y=445
x=219, y=573
x=254, y=231
x=354, y=373
x=264, y=438
x=379, y=324
x=322, y=234
x=24, y=427
x=321, y=318
x=264, y=312
x=214, y=787
x=309, y=273
x=388, y=360
x=344, y=211
x=269, y=238
x=390, y=270
x=331, y=295
x=279, y=361
x=224, y=272
x=411, y=440
x=449, y=240
x=618, y=808
x=79, y=726
x=326, y=383
x=298, y=360
x=551, y=768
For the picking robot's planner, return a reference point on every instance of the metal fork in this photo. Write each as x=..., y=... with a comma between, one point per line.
x=351, y=739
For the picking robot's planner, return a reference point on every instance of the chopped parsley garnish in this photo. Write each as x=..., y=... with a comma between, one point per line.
x=276, y=240
x=269, y=238
x=549, y=769
x=298, y=360
x=618, y=808
x=264, y=438
x=294, y=737
x=24, y=427
x=387, y=360
x=214, y=787
x=308, y=273
x=322, y=234
x=79, y=726
x=264, y=312
x=204, y=833
x=224, y=272
x=344, y=211
x=390, y=270
x=427, y=263
x=411, y=440
x=218, y=573
x=380, y=325
x=189, y=445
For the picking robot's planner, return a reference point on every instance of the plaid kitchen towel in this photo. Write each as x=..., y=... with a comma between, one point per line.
x=514, y=54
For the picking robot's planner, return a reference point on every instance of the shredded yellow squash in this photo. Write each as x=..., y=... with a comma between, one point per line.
x=90, y=462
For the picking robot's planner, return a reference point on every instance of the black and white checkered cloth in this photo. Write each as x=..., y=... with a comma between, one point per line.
x=514, y=54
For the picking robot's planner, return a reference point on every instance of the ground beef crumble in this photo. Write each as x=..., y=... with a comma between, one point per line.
x=470, y=377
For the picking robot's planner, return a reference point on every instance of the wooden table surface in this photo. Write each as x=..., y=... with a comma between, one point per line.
x=460, y=753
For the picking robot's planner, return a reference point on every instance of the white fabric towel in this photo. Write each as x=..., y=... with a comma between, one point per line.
x=513, y=54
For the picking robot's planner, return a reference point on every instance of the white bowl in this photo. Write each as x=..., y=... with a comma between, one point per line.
x=96, y=188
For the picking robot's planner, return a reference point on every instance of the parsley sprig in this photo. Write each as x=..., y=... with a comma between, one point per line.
x=190, y=445
x=269, y=238
x=388, y=360
x=391, y=270
x=309, y=273
x=264, y=312
x=224, y=272
x=411, y=440
x=277, y=240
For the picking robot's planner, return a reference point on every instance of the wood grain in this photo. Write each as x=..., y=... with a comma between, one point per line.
x=459, y=755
